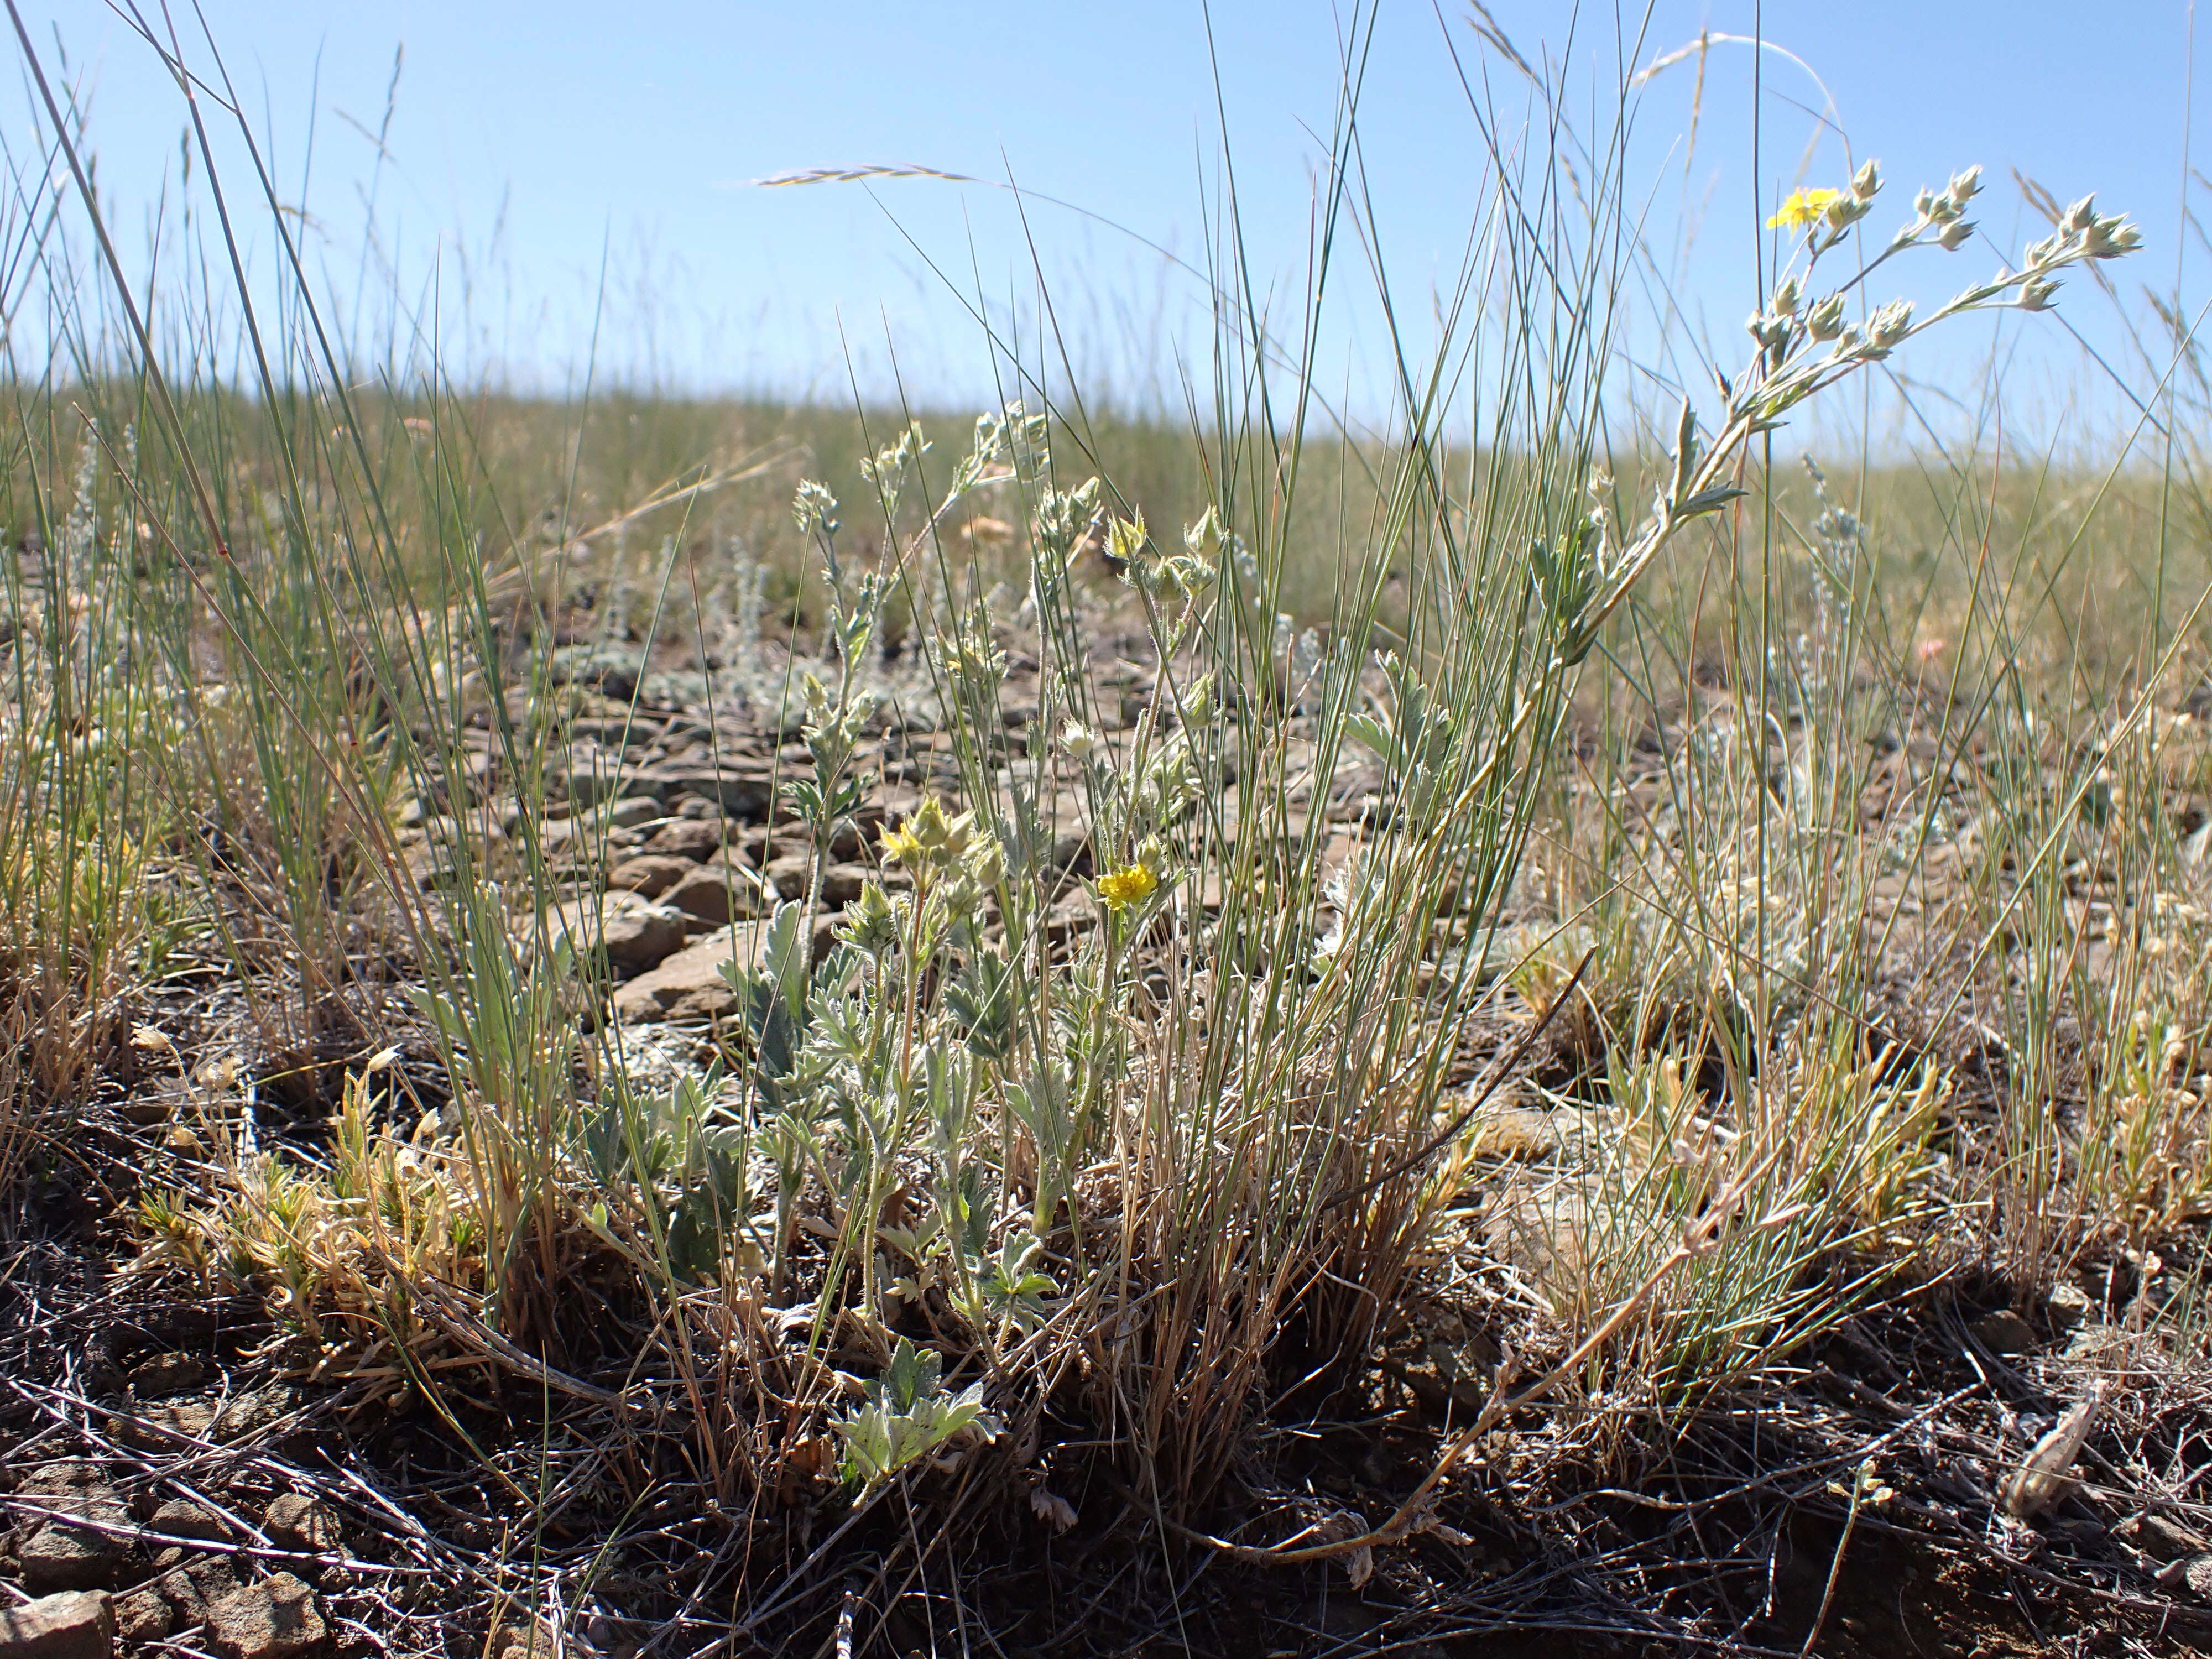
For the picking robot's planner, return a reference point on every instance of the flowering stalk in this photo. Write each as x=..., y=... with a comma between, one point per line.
x=1804, y=348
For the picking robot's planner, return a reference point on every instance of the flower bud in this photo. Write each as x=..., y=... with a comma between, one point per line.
x=2036, y=296
x=1204, y=538
x=1786, y=293
x=1079, y=740
x=986, y=863
x=1954, y=234
x=870, y=924
x=1964, y=186
x=2110, y=238
x=2081, y=215
x=1866, y=181
x=1825, y=320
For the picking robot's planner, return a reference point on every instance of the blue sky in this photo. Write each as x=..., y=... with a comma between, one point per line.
x=569, y=180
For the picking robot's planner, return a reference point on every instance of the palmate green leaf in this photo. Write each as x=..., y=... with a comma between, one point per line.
x=912, y=1242
x=1369, y=730
x=868, y=1445
x=774, y=1007
x=1013, y=1291
x=980, y=1001
x=909, y=1416
x=915, y=1373
x=972, y=1224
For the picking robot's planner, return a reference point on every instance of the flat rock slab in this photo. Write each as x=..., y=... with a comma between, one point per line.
x=59, y=1558
x=634, y=933
x=650, y=874
x=686, y=838
x=722, y=890
x=182, y=1518
x=186, y=1585
x=745, y=794
x=75, y=1625
x=276, y=1619
x=165, y=1425
x=143, y=1616
x=300, y=1522
x=56, y=1556
x=690, y=982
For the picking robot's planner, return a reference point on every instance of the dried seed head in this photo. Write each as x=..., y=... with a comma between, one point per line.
x=2042, y=1477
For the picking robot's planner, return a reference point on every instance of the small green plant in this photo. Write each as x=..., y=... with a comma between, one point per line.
x=909, y=1416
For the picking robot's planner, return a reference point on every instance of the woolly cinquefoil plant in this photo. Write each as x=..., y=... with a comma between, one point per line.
x=1184, y=1115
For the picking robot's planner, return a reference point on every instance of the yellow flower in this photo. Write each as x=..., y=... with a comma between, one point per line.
x=903, y=845
x=1804, y=207
x=1131, y=885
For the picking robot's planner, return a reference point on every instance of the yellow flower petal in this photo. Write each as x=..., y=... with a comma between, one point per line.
x=1802, y=207
x=901, y=847
x=1131, y=885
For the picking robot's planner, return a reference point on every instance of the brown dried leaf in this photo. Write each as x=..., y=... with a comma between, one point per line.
x=1359, y=1566
x=1049, y=1507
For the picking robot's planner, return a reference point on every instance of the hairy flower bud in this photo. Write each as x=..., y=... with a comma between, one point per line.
x=1204, y=538
x=1954, y=234
x=870, y=924
x=2110, y=238
x=1079, y=740
x=1825, y=320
